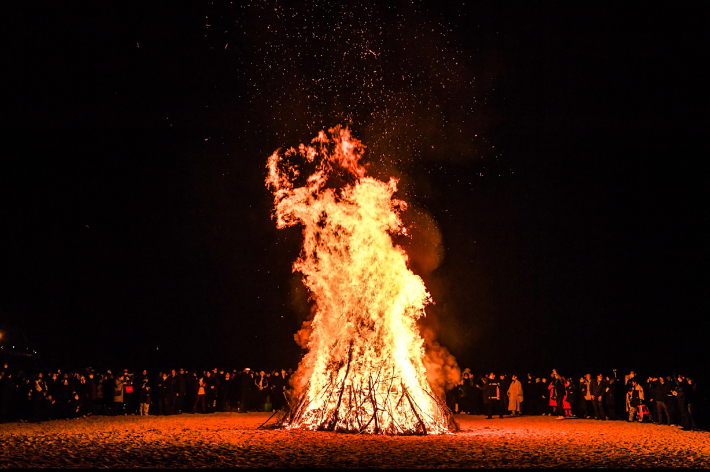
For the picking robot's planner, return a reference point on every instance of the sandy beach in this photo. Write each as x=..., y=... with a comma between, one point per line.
x=232, y=440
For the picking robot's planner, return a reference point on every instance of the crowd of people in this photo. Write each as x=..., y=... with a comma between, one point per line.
x=58, y=395
x=670, y=400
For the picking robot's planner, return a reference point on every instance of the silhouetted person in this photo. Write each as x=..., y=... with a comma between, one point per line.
x=166, y=395
x=224, y=393
x=118, y=385
x=691, y=396
x=7, y=389
x=200, y=394
x=560, y=394
x=491, y=395
x=262, y=384
x=247, y=384
x=611, y=397
x=681, y=401
x=598, y=391
x=144, y=396
x=211, y=391
x=178, y=389
x=635, y=398
x=92, y=386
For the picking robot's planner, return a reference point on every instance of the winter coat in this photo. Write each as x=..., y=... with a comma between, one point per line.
x=515, y=395
x=118, y=390
x=491, y=390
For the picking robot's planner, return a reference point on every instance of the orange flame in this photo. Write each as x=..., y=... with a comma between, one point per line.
x=364, y=370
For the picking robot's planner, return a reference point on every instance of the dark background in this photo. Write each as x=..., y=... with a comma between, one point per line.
x=558, y=150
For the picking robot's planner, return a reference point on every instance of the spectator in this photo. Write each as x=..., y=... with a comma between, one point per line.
x=200, y=395
x=552, y=403
x=166, y=396
x=491, y=395
x=144, y=395
x=262, y=383
x=178, y=389
x=598, y=391
x=7, y=389
x=568, y=398
x=635, y=398
x=118, y=384
x=691, y=397
x=277, y=391
x=610, y=397
x=515, y=396
x=247, y=383
x=224, y=393
x=504, y=385
x=92, y=387
x=210, y=391
x=682, y=403
x=128, y=392
x=236, y=391
x=108, y=388
x=660, y=397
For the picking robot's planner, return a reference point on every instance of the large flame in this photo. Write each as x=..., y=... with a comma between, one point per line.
x=364, y=370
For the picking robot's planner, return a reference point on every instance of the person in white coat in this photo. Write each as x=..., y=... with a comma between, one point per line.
x=515, y=396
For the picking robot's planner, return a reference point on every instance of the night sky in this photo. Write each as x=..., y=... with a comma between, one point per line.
x=553, y=155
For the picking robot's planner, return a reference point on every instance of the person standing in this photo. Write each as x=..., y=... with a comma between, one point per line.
x=118, y=384
x=635, y=398
x=568, y=399
x=588, y=395
x=144, y=396
x=92, y=387
x=224, y=393
x=504, y=381
x=277, y=390
x=262, y=383
x=679, y=392
x=178, y=388
x=515, y=396
x=598, y=390
x=560, y=394
x=165, y=396
x=552, y=395
x=200, y=394
x=610, y=397
x=246, y=383
x=7, y=390
x=210, y=391
x=691, y=396
x=660, y=397
x=129, y=399
x=491, y=395
x=107, y=387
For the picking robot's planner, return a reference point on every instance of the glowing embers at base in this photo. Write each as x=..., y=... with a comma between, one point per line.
x=364, y=369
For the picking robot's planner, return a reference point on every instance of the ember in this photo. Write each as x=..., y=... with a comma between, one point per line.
x=364, y=370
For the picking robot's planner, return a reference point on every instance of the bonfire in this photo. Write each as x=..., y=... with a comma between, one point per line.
x=364, y=369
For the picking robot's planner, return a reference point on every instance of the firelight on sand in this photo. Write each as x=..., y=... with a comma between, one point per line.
x=364, y=370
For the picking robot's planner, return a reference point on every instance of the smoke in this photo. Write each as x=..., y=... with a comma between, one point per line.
x=423, y=241
x=425, y=250
x=442, y=370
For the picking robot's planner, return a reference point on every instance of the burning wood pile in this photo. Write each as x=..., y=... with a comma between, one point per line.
x=364, y=370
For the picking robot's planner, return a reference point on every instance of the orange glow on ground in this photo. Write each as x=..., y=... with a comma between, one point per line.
x=231, y=440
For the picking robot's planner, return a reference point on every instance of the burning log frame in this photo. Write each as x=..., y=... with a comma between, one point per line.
x=364, y=369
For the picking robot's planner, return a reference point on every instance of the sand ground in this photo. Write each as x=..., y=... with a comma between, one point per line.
x=232, y=440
